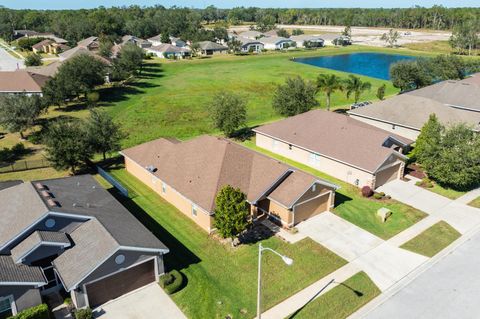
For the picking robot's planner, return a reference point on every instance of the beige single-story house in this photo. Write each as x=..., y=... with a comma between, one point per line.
x=350, y=150
x=190, y=174
x=211, y=48
x=49, y=46
x=306, y=40
x=249, y=45
x=252, y=34
x=277, y=43
x=22, y=82
x=166, y=51
x=451, y=101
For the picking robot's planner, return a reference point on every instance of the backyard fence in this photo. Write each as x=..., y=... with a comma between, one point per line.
x=112, y=181
x=19, y=166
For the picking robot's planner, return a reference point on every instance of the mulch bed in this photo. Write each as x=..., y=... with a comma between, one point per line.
x=416, y=171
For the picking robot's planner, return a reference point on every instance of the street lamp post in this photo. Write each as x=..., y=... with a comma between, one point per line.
x=285, y=259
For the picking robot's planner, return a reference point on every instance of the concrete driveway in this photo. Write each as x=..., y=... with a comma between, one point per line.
x=340, y=236
x=8, y=62
x=147, y=302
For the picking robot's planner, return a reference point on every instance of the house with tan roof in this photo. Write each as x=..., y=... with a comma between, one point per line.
x=452, y=102
x=190, y=174
x=22, y=82
x=71, y=234
x=348, y=149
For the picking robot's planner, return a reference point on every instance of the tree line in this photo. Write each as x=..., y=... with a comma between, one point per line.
x=186, y=23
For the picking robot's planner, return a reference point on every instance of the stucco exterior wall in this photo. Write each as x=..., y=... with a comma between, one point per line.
x=24, y=296
x=399, y=130
x=281, y=213
x=339, y=170
x=311, y=207
x=203, y=219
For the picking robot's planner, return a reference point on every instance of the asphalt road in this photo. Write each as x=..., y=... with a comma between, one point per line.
x=449, y=289
x=8, y=62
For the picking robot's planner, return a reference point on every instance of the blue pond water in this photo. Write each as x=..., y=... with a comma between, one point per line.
x=376, y=65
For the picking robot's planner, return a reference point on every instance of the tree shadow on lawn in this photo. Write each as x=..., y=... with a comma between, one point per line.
x=151, y=71
x=115, y=94
x=179, y=257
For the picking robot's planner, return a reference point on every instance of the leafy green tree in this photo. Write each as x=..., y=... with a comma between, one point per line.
x=19, y=112
x=428, y=144
x=297, y=32
x=265, y=22
x=328, y=84
x=93, y=98
x=294, y=97
x=465, y=36
x=381, y=91
x=445, y=67
x=33, y=60
x=228, y=112
x=105, y=48
x=103, y=134
x=457, y=165
x=27, y=43
x=407, y=75
x=165, y=38
x=234, y=46
x=391, y=37
x=195, y=47
x=283, y=33
x=129, y=61
x=347, y=32
x=231, y=212
x=67, y=145
x=354, y=85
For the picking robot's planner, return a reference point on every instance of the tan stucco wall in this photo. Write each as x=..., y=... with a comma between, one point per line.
x=203, y=219
x=285, y=215
x=311, y=208
x=399, y=130
x=336, y=169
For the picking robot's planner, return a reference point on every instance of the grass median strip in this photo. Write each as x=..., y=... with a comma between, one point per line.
x=433, y=240
x=475, y=203
x=341, y=301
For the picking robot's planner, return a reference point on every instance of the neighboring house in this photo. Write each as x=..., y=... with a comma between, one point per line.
x=249, y=45
x=338, y=145
x=332, y=38
x=90, y=43
x=49, y=46
x=277, y=43
x=157, y=40
x=190, y=174
x=309, y=41
x=49, y=70
x=211, y=48
x=252, y=35
x=137, y=41
x=78, y=50
x=22, y=82
x=453, y=102
x=71, y=234
x=169, y=51
x=35, y=34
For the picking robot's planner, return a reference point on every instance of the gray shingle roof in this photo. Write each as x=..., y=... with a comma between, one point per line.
x=21, y=206
x=209, y=45
x=8, y=184
x=36, y=239
x=93, y=245
x=18, y=273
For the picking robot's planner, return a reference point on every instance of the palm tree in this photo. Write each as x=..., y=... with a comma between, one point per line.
x=356, y=86
x=328, y=84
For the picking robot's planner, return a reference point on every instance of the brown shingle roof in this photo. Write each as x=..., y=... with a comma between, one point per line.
x=200, y=167
x=22, y=81
x=297, y=180
x=335, y=136
x=40, y=44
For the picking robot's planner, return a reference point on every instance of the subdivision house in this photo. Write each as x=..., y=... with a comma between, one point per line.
x=451, y=101
x=249, y=45
x=22, y=82
x=277, y=43
x=252, y=35
x=71, y=234
x=306, y=40
x=211, y=48
x=167, y=51
x=49, y=46
x=350, y=150
x=190, y=174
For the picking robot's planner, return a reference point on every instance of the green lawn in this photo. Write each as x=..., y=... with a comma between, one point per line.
x=433, y=240
x=475, y=203
x=446, y=192
x=341, y=301
x=350, y=204
x=222, y=280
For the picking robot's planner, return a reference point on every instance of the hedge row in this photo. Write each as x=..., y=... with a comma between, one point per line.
x=37, y=312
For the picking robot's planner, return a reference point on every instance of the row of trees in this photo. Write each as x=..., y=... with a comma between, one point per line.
x=414, y=74
x=451, y=155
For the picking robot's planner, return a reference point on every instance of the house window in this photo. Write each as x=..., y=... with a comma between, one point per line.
x=6, y=309
x=164, y=188
x=194, y=210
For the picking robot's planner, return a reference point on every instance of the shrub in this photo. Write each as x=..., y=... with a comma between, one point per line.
x=84, y=314
x=426, y=183
x=171, y=282
x=37, y=312
x=379, y=195
x=367, y=191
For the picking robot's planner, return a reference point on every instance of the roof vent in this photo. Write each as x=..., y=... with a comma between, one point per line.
x=151, y=168
x=40, y=186
x=74, y=204
x=52, y=203
x=78, y=183
x=88, y=205
x=45, y=194
x=94, y=187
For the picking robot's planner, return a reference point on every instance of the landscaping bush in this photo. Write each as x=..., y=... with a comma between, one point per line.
x=379, y=195
x=425, y=182
x=367, y=191
x=171, y=282
x=84, y=314
x=37, y=312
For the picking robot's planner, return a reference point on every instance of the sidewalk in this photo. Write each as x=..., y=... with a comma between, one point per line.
x=468, y=197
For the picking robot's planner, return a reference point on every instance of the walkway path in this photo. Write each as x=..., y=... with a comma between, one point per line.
x=384, y=262
x=7, y=61
x=468, y=197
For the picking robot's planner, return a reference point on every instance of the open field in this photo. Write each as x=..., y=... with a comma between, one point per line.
x=341, y=301
x=433, y=240
x=221, y=280
x=350, y=205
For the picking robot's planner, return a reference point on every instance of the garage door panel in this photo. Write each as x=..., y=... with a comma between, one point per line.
x=311, y=208
x=387, y=175
x=121, y=283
